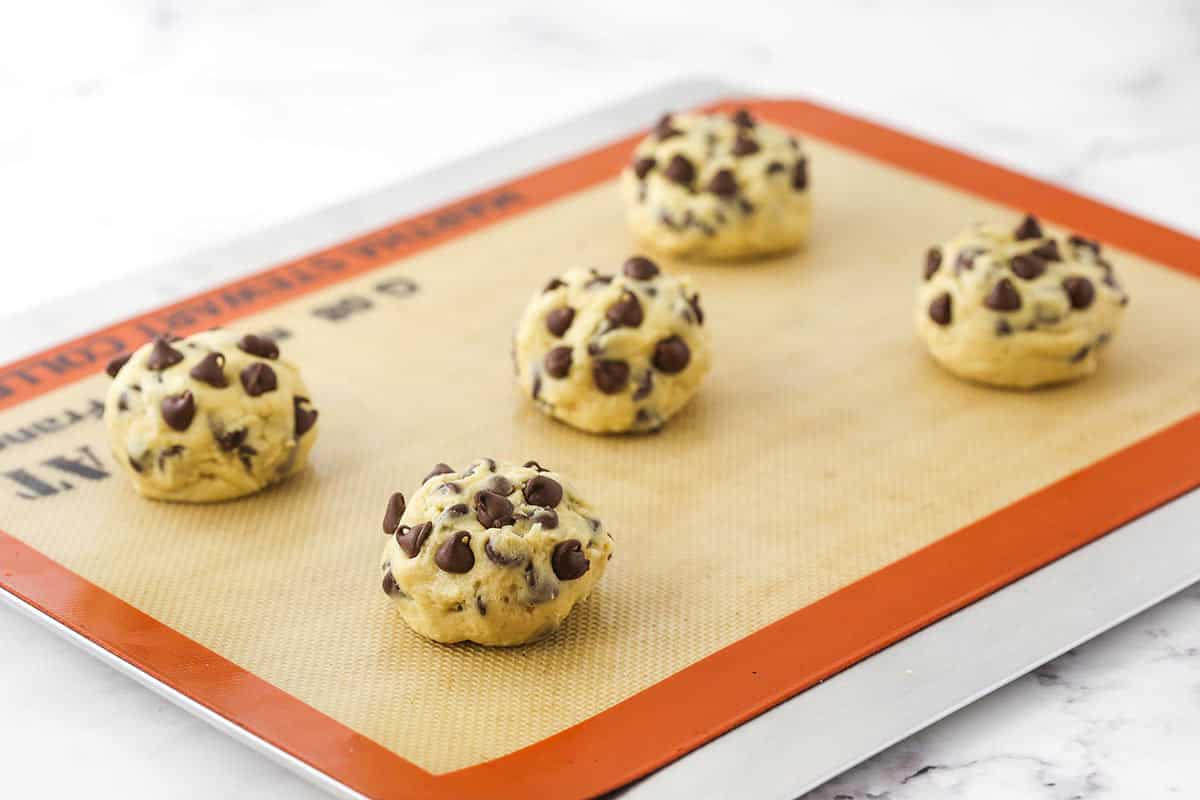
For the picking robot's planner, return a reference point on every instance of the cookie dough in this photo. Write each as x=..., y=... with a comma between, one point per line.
x=1020, y=308
x=497, y=554
x=613, y=353
x=209, y=417
x=717, y=187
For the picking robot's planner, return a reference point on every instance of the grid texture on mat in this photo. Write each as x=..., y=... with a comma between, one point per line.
x=824, y=446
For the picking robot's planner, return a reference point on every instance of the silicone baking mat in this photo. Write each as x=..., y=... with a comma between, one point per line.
x=829, y=492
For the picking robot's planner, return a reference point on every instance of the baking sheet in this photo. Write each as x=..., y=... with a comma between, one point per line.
x=761, y=314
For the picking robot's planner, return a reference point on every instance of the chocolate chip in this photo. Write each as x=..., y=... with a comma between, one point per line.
x=535, y=391
x=438, y=469
x=258, y=379
x=1027, y=266
x=211, y=370
x=493, y=510
x=966, y=259
x=450, y=487
x=499, y=484
x=259, y=346
x=244, y=453
x=694, y=302
x=178, y=410
x=644, y=387
x=642, y=167
x=535, y=465
x=742, y=118
x=546, y=517
x=933, y=260
x=168, y=452
x=115, y=365
x=558, y=362
x=680, y=170
x=745, y=206
x=941, y=309
x=1003, y=297
x=123, y=402
x=543, y=491
x=136, y=466
x=723, y=184
x=1047, y=251
x=1080, y=242
x=389, y=584
x=610, y=376
x=1081, y=354
x=626, y=312
x=496, y=557
x=481, y=605
x=671, y=355
x=162, y=355
x=800, y=175
x=664, y=129
x=744, y=146
x=568, y=561
x=1028, y=229
x=411, y=540
x=775, y=167
x=457, y=510
x=1080, y=291
x=1003, y=328
x=552, y=285
x=231, y=440
x=395, y=510
x=558, y=320
x=305, y=417
x=455, y=554
x=639, y=268
x=598, y=280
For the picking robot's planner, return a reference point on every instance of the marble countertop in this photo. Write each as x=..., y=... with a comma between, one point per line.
x=137, y=132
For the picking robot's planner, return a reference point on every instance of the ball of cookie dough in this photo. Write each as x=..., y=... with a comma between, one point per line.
x=209, y=417
x=496, y=554
x=1020, y=308
x=717, y=187
x=613, y=353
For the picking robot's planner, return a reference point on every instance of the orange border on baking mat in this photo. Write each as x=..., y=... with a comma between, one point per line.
x=680, y=713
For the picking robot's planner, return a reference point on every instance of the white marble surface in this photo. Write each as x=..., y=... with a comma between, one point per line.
x=133, y=133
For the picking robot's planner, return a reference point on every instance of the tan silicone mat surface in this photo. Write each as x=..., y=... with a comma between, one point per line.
x=824, y=446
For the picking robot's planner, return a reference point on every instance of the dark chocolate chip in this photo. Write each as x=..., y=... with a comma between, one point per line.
x=640, y=268
x=966, y=259
x=493, y=510
x=136, y=466
x=162, y=355
x=450, y=487
x=535, y=465
x=694, y=302
x=642, y=167
x=598, y=279
x=211, y=370
x=168, y=452
x=671, y=355
x=305, y=417
x=552, y=285
x=626, y=312
x=775, y=167
x=259, y=346
x=411, y=540
x=244, y=453
x=258, y=379
x=745, y=206
x=644, y=387
x=1028, y=266
x=481, y=605
x=499, y=484
x=1003, y=328
x=723, y=184
x=457, y=510
x=744, y=146
x=496, y=556
x=535, y=391
x=389, y=584
x=568, y=561
x=438, y=469
x=941, y=309
x=933, y=260
x=543, y=491
x=742, y=118
x=558, y=362
x=1080, y=290
x=1047, y=251
x=1003, y=297
x=1081, y=242
x=1028, y=229
x=610, y=376
x=546, y=517
x=800, y=175
x=455, y=554
x=558, y=320
x=123, y=402
x=395, y=510
x=115, y=365
x=178, y=410
x=664, y=129
x=680, y=170
x=1081, y=354
x=231, y=440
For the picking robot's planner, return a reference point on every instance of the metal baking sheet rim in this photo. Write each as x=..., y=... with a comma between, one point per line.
x=863, y=709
